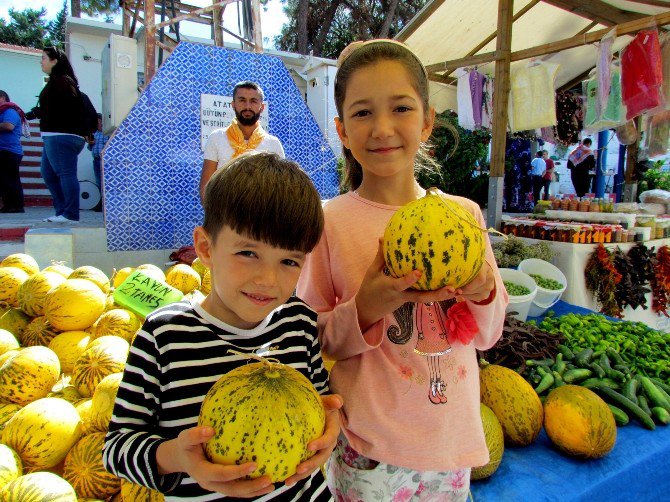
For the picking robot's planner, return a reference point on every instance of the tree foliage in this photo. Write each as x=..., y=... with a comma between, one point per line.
x=56, y=28
x=26, y=28
x=107, y=8
x=325, y=28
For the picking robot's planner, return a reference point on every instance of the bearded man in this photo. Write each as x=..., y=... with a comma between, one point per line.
x=244, y=134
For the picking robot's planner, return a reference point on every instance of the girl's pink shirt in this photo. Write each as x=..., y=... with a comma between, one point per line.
x=387, y=415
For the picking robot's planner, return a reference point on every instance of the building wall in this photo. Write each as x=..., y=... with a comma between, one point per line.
x=22, y=76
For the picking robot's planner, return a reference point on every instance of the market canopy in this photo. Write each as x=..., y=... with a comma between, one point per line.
x=460, y=33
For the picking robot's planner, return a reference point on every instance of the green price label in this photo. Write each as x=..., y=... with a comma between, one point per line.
x=143, y=294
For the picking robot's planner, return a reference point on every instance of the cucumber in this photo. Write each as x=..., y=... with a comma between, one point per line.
x=546, y=382
x=614, y=356
x=584, y=357
x=597, y=369
x=642, y=403
x=653, y=394
x=630, y=389
x=661, y=415
x=596, y=383
x=661, y=385
x=628, y=406
x=567, y=353
x=620, y=416
x=558, y=379
x=576, y=375
x=559, y=365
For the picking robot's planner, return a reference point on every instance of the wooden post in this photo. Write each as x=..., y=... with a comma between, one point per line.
x=499, y=122
x=217, y=15
x=149, y=41
x=258, y=33
x=630, y=187
x=125, y=20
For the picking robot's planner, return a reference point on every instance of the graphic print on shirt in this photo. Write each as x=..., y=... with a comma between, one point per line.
x=428, y=320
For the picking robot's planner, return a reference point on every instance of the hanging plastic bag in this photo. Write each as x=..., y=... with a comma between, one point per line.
x=603, y=71
x=532, y=102
x=657, y=139
x=642, y=74
x=614, y=114
x=627, y=133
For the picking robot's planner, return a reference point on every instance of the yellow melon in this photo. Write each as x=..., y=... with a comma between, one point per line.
x=28, y=375
x=65, y=390
x=95, y=275
x=33, y=292
x=206, y=286
x=103, y=399
x=103, y=356
x=85, y=410
x=38, y=332
x=11, y=279
x=23, y=261
x=183, y=278
x=58, y=268
x=7, y=341
x=495, y=442
x=118, y=322
x=10, y=353
x=38, y=487
x=121, y=275
x=10, y=465
x=152, y=271
x=84, y=469
x=14, y=321
x=7, y=411
x=42, y=432
x=199, y=267
x=74, y=305
x=130, y=492
x=69, y=346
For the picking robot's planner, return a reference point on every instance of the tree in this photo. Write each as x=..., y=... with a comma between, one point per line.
x=25, y=28
x=56, y=28
x=94, y=7
x=325, y=28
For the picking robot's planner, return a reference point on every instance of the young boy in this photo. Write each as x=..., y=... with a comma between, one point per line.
x=262, y=216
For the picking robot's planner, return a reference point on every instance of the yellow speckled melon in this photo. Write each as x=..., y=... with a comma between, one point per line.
x=65, y=390
x=69, y=346
x=130, y=492
x=74, y=305
x=14, y=321
x=38, y=487
x=32, y=293
x=7, y=341
x=84, y=469
x=199, y=267
x=42, y=432
x=23, y=261
x=495, y=442
x=38, y=332
x=152, y=271
x=118, y=322
x=58, y=268
x=85, y=410
x=183, y=278
x=121, y=275
x=437, y=236
x=103, y=356
x=10, y=465
x=7, y=411
x=11, y=279
x=514, y=402
x=28, y=375
x=95, y=275
x=265, y=412
x=579, y=422
x=103, y=399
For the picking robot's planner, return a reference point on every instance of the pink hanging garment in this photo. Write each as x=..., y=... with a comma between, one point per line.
x=603, y=71
x=641, y=74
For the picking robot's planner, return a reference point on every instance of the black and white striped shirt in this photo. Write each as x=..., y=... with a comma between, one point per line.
x=179, y=353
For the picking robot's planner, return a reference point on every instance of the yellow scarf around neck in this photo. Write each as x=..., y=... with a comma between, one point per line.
x=237, y=141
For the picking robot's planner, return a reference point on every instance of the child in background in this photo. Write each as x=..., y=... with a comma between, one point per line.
x=262, y=216
x=411, y=419
x=95, y=144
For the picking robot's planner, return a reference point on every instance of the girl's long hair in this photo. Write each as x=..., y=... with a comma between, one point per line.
x=62, y=66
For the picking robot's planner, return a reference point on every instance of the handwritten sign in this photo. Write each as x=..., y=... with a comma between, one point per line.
x=143, y=294
x=217, y=112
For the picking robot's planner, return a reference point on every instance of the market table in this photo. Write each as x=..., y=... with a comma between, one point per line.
x=637, y=469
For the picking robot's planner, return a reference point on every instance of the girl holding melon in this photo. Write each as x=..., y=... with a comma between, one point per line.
x=411, y=419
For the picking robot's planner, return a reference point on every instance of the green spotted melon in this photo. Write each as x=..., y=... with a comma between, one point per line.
x=263, y=412
x=39, y=331
x=86, y=473
x=437, y=236
x=38, y=487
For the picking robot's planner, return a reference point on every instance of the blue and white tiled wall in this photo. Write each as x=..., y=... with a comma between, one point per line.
x=152, y=164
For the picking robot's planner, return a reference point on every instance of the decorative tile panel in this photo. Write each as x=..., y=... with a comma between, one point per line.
x=152, y=163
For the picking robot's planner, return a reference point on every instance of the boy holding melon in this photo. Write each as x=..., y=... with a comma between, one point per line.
x=262, y=216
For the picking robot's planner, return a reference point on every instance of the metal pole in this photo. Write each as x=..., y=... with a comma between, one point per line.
x=601, y=164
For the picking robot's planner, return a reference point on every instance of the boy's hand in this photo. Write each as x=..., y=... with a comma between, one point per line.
x=324, y=445
x=186, y=454
x=381, y=294
x=480, y=287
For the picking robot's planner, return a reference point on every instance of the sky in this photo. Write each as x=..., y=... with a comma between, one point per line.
x=271, y=20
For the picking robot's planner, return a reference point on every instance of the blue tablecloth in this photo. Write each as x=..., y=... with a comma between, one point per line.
x=637, y=469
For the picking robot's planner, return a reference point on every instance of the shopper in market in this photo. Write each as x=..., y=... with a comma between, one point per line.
x=12, y=122
x=537, y=169
x=244, y=134
x=262, y=215
x=411, y=420
x=62, y=125
x=95, y=144
x=549, y=173
x=580, y=161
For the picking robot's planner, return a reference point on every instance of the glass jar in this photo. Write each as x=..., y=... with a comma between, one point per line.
x=574, y=205
x=583, y=205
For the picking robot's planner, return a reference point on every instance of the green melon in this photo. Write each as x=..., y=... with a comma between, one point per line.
x=495, y=442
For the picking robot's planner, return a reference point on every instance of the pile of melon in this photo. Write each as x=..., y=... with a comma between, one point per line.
x=63, y=347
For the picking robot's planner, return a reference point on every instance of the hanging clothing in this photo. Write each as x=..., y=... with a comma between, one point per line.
x=614, y=114
x=641, y=74
x=603, y=71
x=466, y=117
x=569, y=118
x=477, y=95
x=487, y=104
x=237, y=141
x=532, y=96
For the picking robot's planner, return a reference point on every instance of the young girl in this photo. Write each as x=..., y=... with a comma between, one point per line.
x=406, y=361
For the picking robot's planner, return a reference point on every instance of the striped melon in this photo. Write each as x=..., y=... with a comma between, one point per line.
x=74, y=305
x=10, y=465
x=103, y=399
x=495, y=442
x=7, y=341
x=14, y=321
x=85, y=410
x=118, y=322
x=58, y=268
x=23, y=261
x=5, y=356
x=28, y=375
x=183, y=278
x=11, y=279
x=42, y=432
x=84, y=469
x=93, y=274
x=121, y=275
x=206, y=286
x=65, y=390
x=69, y=346
x=152, y=271
x=130, y=492
x=438, y=237
x=7, y=411
x=199, y=267
x=265, y=412
x=515, y=403
x=38, y=487
x=579, y=422
x=103, y=356
x=38, y=332
x=32, y=293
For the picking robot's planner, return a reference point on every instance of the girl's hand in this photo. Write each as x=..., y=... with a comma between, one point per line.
x=480, y=287
x=188, y=452
x=324, y=445
x=381, y=294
